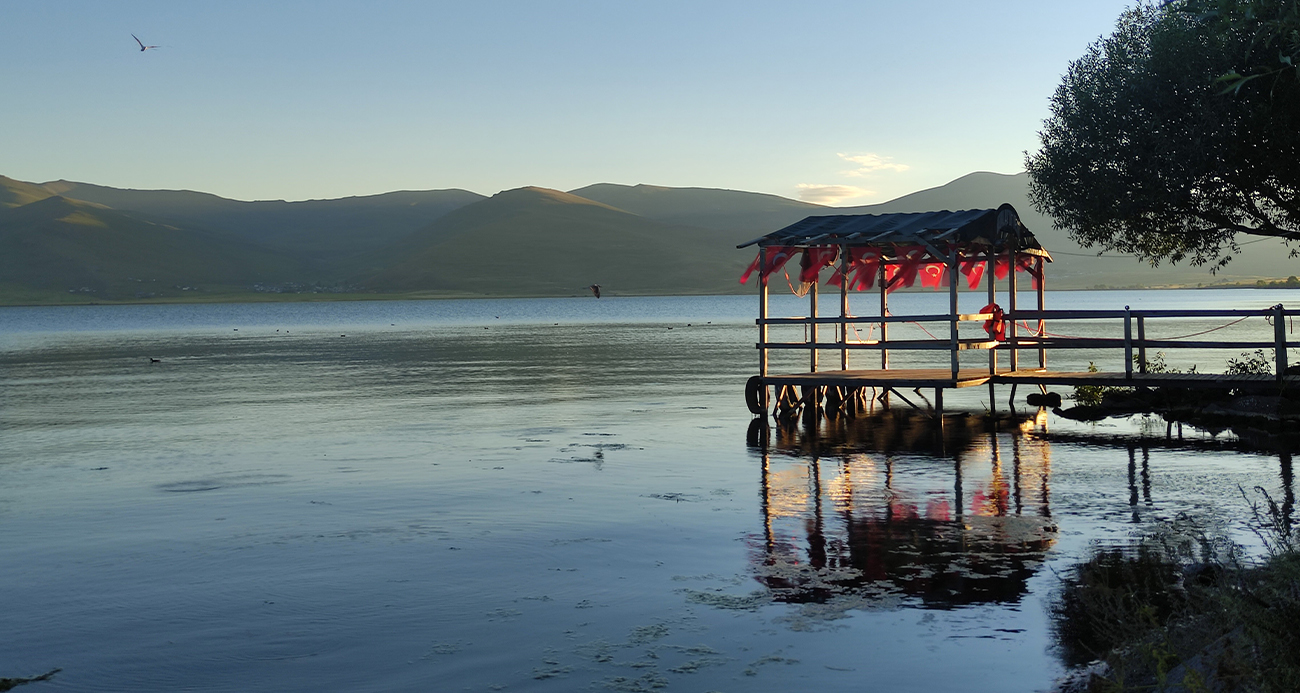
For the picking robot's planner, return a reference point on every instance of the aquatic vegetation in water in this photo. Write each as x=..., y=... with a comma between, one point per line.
x=9, y=684
x=1179, y=608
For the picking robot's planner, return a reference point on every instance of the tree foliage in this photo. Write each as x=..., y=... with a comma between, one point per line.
x=1272, y=30
x=1145, y=151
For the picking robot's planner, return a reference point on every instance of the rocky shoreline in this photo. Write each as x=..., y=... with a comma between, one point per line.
x=1260, y=420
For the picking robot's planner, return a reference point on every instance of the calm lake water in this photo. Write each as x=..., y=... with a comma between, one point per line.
x=543, y=495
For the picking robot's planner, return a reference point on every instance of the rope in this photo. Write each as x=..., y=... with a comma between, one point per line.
x=1212, y=329
x=1035, y=332
x=1185, y=336
x=871, y=329
x=1290, y=320
x=790, y=284
x=912, y=322
x=923, y=329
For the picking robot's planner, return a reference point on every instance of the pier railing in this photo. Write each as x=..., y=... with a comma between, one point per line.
x=1023, y=334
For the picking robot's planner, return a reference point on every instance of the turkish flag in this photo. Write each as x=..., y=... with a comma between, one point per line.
x=814, y=259
x=934, y=274
x=777, y=255
x=1033, y=265
x=973, y=268
x=863, y=263
x=909, y=259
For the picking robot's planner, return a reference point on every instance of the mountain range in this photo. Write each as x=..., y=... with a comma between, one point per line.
x=65, y=241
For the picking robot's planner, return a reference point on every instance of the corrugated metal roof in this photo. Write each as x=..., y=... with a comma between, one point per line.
x=973, y=227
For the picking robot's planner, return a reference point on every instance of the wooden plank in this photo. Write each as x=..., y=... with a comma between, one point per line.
x=906, y=344
x=942, y=377
x=1168, y=313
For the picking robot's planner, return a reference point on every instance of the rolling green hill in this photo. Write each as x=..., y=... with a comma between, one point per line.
x=535, y=241
x=103, y=243
x=326, y=233
x=15, y=193
x=753, y=213
x=61, y=246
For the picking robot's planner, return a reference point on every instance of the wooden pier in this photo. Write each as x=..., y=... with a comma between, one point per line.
x=890, y=251
x=941, y=378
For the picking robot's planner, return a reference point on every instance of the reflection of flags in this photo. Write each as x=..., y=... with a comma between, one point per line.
x=777, y=255
x=990, y=504
x=864, y=263
x=814, y=259
x=938, y=510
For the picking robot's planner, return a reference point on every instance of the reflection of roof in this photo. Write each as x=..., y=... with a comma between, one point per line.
x=944, y=563
x=986, y=228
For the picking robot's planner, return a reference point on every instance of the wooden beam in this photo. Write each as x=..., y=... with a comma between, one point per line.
x=814, y=328
x=844, y=305
x=953, y=336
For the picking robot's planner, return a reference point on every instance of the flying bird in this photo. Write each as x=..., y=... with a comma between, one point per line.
x=142, y=46
x=595, y=289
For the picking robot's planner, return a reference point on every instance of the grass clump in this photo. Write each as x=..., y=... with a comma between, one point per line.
x=1117, y=596
x=1094, y=395
x=1178, y=610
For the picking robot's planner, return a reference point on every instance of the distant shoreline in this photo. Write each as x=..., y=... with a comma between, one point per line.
x=266, y=297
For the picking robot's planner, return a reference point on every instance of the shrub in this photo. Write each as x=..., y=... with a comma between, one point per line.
x=1252, y=363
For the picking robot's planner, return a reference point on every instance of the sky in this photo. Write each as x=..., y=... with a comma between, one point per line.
x=840, y=103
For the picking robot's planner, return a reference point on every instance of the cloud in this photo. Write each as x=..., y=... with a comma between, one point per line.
x=830, y=194
x=870, y=163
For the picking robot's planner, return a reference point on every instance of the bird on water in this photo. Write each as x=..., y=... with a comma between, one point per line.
x=595, y=289
x=143, y=47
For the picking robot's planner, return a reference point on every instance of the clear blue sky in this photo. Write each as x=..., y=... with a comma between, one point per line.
x=298, y=100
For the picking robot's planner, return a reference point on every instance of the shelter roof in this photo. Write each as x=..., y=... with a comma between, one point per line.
x=983, y=228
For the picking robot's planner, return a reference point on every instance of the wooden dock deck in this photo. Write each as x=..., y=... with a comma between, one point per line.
x=974, y=377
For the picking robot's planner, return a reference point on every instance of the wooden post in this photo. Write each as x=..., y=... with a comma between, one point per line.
x=844, y=307
x=989, y=273
x=812, y=310
x=762, y=322
x=1279, y=341
x=1013, y=254
x=953, y=335
x=1128, y=344
x=1042, y=305
x=1142, y=344
x=884, y=308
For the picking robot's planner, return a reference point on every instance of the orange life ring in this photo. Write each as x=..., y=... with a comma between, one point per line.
x=997, y=326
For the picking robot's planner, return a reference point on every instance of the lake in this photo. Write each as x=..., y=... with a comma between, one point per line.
x=544, y=495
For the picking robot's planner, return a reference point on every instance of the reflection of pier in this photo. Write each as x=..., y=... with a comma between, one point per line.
x=895, y=505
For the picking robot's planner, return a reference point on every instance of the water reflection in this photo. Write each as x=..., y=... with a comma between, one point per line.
x=1132, y=480
x=1288, y=488
x=898, y=506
